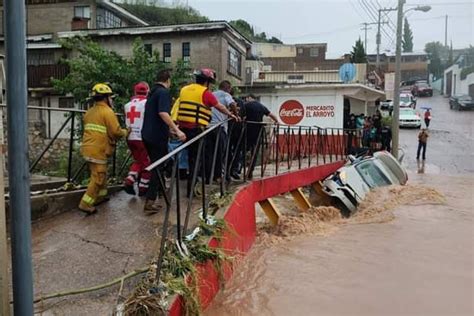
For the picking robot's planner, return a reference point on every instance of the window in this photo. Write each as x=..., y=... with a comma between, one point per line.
x=234, y=61
x=186, y=52
x=83, y=12
x=107, y=19
x=314, y=52
x=167, y=52
x=372, y=175
x=148, y=49
x=300, y=51
x=66, y=103
x=39, y=57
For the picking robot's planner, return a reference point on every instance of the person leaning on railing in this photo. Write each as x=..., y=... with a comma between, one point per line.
x=194, y=112
x=101, y=130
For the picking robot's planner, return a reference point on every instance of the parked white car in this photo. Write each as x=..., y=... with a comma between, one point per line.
x=409, y=118
x=350, y=183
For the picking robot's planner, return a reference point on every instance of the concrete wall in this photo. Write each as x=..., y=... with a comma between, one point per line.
x=52, y=18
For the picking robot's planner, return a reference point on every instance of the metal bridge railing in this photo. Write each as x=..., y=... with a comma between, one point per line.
x=275, y=149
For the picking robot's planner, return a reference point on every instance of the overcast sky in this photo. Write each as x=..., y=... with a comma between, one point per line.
x=338, y=22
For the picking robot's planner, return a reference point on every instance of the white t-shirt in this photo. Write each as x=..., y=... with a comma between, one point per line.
x=134, y=113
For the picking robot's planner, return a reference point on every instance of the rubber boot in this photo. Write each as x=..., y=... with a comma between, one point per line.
x=87, y=208
x=151, y=208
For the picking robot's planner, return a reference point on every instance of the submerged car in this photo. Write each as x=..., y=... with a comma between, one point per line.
x=409, y=118
x=461, y=102
x=349, y=185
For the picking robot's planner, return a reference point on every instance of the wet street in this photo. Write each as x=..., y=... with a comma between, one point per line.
x=417, y=259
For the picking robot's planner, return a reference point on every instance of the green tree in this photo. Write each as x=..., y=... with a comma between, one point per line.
x=275, y=40
x=435, y=51
x=243, y=27
x=407, y=41
x=95, y=64
x=160, y=15
x=358, y=54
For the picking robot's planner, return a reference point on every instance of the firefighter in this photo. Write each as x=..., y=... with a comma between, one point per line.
x=134, y=113
x=194, y=112
x=101, y=130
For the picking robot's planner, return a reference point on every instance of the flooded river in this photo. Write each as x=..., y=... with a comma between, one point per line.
x=409, y=251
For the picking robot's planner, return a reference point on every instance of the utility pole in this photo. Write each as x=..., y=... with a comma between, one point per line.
x=4, y=282
x=18, y=172
x=446, y=31
x=379, y=36
x=396, y=97
x=365, y=28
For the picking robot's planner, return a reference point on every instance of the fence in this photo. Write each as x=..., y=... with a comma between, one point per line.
x=249, y=146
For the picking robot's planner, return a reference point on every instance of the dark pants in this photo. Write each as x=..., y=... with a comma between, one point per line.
x=386, y=143
x=420, y=146
x=427, y=122
x=235, y=148
x=192, y=151
x=212, y=145
x=155, y=152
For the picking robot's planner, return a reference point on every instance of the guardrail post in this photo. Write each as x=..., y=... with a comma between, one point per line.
x=300, y=199
x=71, y=149
x=270, y=209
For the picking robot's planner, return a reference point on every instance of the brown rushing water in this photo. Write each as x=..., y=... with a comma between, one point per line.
x=409, y=251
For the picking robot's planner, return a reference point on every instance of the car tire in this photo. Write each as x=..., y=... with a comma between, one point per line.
x=345, y=212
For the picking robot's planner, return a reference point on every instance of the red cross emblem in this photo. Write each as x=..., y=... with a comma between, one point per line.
x=132, y=114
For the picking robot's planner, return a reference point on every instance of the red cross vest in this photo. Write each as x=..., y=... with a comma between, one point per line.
x=134, y=113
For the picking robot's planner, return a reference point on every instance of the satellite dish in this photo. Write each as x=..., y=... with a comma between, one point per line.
x=347, y=72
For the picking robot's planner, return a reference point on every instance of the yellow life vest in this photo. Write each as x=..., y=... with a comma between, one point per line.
x=174, y=110
x=191, y=108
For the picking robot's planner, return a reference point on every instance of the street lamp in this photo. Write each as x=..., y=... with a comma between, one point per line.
x=398, y=57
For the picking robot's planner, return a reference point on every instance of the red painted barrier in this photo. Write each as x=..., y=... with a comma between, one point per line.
x=240, y=218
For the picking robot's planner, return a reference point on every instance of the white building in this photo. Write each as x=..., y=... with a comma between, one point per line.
x=457, y=82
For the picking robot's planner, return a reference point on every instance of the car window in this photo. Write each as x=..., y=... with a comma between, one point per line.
x=405, y=98
x=464, y=98
x=372, y=175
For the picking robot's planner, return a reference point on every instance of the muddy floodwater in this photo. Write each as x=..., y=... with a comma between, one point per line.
x=408, y=252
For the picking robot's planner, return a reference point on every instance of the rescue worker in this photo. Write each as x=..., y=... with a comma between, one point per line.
x=194, y=112
x=101, y=130
x=134, y=113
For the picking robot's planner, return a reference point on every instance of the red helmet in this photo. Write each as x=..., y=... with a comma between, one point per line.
x=206, y=73
x=141, y=88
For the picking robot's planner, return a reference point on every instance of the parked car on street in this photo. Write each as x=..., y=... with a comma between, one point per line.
x=407, y=100
x=349, y=185
x=422, y=88
x=461, y=102
x=409, y=118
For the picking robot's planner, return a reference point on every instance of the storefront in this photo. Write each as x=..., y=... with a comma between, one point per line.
x=322, y=105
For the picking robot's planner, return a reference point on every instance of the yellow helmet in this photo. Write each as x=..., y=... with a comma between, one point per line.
x=101, y=89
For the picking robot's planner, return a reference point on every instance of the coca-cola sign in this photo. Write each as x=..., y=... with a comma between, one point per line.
x=291, y=112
